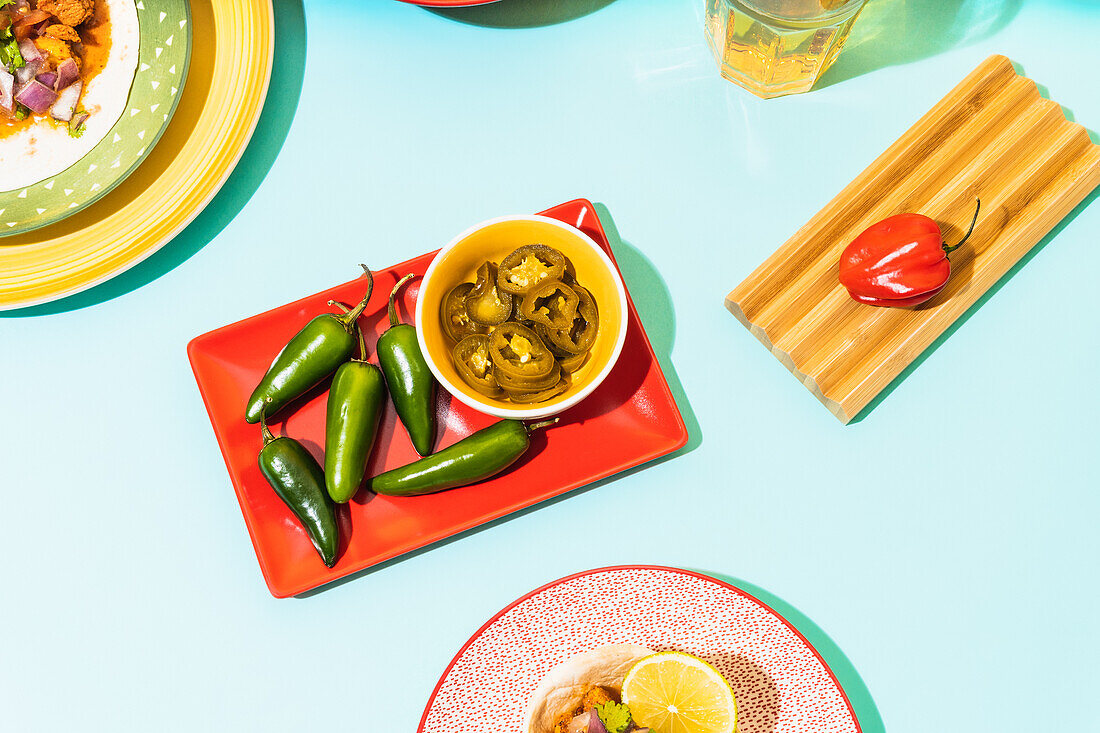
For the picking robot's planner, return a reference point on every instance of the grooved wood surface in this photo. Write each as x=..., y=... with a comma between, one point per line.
x=992, y=137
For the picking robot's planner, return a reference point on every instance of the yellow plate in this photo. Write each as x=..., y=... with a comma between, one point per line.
x=226, y=86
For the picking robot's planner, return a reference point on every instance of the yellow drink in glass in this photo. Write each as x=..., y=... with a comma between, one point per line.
x=777, y=47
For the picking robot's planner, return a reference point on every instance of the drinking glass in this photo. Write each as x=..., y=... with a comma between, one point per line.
x=777, y=47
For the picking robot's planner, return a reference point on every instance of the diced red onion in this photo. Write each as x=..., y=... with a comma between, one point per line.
x=7, y=91
x=36, y=96
x=49, y=79
x=579, y=724
x=67, y=73
x=65, y=105
x=29, y=51
x=28, y=71
x=595, y=725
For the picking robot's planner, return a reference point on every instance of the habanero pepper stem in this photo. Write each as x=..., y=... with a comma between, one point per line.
x=949, y=250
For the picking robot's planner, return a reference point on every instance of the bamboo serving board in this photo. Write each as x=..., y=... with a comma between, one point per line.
x=992, y=137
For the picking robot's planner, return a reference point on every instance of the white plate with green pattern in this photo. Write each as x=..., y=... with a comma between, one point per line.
x=163, y=55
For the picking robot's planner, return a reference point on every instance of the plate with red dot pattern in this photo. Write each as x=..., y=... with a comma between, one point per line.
x=781, y=682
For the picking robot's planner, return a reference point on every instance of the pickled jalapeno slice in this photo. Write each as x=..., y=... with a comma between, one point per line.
x=570, y=275
x=519, y=351
x=544, y=334
x=474, y=364
x=574, y=362
x=456, y=321
x=513, y=383
x=530, y=266
x=546, y=394
x=581, y=334
x=485, y=303
x=553, y=304
x=524, y=329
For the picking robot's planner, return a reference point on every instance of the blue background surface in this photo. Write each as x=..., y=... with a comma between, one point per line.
x=941, y=551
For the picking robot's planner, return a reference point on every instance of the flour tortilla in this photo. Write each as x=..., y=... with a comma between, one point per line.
x=45, y=148
x=563, y=686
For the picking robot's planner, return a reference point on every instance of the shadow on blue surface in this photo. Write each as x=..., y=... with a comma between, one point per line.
x=858, y=695
x=522, y=13
x=271, y=130
x=896, y=32
x=654, y=304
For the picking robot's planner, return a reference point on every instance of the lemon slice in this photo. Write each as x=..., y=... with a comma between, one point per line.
x=673, y=692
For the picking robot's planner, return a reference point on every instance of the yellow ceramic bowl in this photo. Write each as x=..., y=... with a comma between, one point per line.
x=494, y=240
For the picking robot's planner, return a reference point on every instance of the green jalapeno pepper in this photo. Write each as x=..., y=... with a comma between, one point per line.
x=456, y=321
x=411, y=383
x=475, y=458
x=528, y=267
x=531, y=398
x=581, y=335
x=298, y=480
x=314, y=353
x=351, y=424
x=553, y=304
x=519, y=351
x=486, y=304
x=474, y=365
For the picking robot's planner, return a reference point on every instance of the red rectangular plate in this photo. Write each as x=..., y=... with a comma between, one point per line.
x=630, y=419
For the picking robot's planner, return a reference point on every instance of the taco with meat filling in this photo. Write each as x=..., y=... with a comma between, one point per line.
x=583, y=693
x=66, y=68
x=628, y=688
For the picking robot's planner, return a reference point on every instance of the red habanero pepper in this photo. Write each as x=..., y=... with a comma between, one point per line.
x=900, y=261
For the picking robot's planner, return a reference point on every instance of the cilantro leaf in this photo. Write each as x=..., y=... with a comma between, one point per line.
x=614, y=716
x=9, y=51
x=9, y=47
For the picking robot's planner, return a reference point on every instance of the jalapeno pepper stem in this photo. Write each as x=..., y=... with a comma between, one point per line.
x=362, y=342
x=265, y=431
x=393, y=294
x=352, y=316
x=949, y=250
x=541, y=425
x=362, y=345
